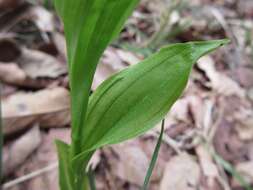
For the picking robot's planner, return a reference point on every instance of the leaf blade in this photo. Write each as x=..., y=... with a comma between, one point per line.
x=154, y=159
x=90, y=25
x=66, y=176
x=134, y=100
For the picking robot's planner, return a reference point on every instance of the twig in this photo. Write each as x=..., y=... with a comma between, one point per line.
x=169, y=141
x=30, y=176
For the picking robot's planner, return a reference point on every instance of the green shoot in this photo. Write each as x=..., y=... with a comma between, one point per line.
x=128, y=103
x=154, y=159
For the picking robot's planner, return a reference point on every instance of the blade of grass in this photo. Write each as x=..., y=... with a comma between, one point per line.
x=154, y=159
x=229, y=168
x=92, y=180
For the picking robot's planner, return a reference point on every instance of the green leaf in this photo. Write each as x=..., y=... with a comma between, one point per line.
x=90, y=25
x=153, y=160
x=92, y=180
x=136, y=99
x=66, y=175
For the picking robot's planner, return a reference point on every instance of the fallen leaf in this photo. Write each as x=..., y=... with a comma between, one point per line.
x=244, y=124
x=219, y=82
x=42, y=17
x=15, y=154
x=38, y=64
x=9, y=4
x=208, y=167
x=12, y=74
x=49, y=107
x=181, y=173
x=246, y=170
x=132, y=162
x=110, y=64
x=10, y=50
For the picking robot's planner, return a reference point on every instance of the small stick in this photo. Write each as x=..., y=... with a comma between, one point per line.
x=30, y=176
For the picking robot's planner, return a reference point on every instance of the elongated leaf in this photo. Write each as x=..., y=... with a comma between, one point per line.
x=66, y=175
x=90, y=25
x=153, y=160
x=136, y=99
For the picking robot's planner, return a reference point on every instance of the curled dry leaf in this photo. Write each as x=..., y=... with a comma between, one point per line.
x=49, y=107
x=227, y=86
x=16, y=153
x=181, y=173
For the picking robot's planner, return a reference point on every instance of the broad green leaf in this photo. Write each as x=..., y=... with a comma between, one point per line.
x=90, y=25
x=136, y=99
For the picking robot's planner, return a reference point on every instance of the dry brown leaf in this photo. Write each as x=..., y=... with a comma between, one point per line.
x=219, y=82
x=244, y=124
x=110, y=64
x=49, y=107
x=6, y=5
x=181, y=173
x=246, y=170
x=9, y=49
x=128, y=57
x=132, y=163
x=16, y=153
x=208, y=167
x=12, y=74
x=38, y=64
x=42, y=18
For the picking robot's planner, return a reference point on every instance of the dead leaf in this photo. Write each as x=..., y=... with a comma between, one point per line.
x=16, y=153
x=49, y=107
x=38, y=64
x=219, y=82
x=227, y=143
x=246, y=170
x=12, y=74
x=244, y=124
x=245, y=76
x=208, y=167
x=42, y=17
x=181, y=173
x=110, y=64
x=10, y=51
x=9, y=4
x=132, y=162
